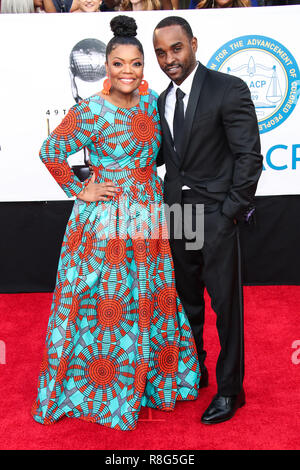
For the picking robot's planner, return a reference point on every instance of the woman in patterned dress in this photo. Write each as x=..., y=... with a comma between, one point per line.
x=117, y=338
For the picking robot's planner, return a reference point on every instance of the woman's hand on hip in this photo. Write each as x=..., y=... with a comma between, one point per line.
x=98, y=191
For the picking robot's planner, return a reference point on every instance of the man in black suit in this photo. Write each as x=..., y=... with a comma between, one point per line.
x=211, y=149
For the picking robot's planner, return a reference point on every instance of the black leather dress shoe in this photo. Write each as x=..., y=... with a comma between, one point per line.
x=203, y=379
x=223, y=408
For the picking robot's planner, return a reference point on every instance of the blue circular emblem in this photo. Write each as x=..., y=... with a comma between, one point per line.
x=270, y=71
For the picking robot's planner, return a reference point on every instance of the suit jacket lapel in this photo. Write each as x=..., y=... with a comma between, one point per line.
x=167, y=136
x=192, y=104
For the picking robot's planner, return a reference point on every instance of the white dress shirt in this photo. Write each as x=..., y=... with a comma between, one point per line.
x=186, y=87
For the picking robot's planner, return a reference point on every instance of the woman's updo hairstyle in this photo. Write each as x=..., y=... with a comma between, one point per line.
x=124, y=29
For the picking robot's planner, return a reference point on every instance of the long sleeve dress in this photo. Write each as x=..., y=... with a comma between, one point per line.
x=118, y=337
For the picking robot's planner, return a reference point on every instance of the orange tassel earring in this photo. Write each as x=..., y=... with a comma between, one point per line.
x=143, y=88
x=106, y=86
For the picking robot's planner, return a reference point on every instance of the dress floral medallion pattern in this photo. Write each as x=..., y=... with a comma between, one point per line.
x=117, y=337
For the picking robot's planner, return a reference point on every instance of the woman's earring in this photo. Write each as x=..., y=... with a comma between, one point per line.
x=106, y=86
x=143, y=88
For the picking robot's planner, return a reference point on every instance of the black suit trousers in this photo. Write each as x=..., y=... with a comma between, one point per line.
x=216, y=266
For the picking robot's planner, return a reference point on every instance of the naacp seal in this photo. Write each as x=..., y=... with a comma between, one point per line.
x=270, y=71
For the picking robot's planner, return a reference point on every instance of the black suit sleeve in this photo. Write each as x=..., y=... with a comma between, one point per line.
x=241, y=128
x=160, y=157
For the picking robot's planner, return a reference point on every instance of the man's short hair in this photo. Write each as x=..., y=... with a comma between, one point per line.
x=176, y=20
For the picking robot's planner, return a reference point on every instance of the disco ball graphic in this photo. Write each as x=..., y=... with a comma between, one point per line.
x=87, y=60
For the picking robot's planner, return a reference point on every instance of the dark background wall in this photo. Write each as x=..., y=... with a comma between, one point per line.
x=32, y=233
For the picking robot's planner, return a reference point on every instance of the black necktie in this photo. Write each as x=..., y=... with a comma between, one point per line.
x=178, y=121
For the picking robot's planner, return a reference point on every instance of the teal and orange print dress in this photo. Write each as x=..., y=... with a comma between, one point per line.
x=117, y=337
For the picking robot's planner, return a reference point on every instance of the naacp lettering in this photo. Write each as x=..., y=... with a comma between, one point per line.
x=278, y=153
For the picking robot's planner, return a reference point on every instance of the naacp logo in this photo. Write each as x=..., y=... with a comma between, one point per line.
x=270, y=71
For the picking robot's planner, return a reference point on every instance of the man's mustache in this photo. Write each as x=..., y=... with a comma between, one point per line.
x=168, y=67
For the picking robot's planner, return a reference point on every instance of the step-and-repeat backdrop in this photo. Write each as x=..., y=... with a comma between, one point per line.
x=49, y=61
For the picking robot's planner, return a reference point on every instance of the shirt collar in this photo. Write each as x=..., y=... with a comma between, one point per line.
x=186, y=85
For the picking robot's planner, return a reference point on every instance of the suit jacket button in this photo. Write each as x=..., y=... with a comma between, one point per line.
x=182, y=173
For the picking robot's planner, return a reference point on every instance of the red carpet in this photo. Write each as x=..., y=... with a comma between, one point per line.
x=270, y=419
